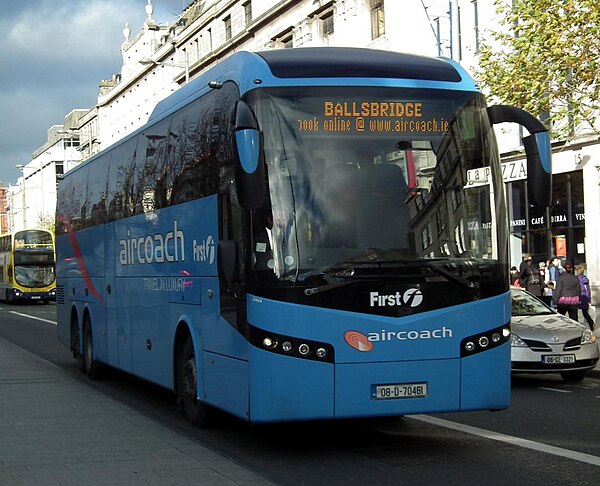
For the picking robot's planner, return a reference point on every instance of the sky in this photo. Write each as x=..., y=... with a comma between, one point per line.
x=53, y=55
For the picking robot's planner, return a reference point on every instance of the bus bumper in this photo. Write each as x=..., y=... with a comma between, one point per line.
x=17, y=295
x=288, y=389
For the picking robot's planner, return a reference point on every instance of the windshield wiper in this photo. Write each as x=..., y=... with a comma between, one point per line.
x=326, y=287
x=423, y=263
x=339, y=268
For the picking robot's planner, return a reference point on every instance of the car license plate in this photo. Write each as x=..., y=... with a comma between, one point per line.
x=35, y=297
x=558, y=359
x=400, y=390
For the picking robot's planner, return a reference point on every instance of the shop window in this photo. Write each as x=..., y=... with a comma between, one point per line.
x=577, y=204
x=560, y=201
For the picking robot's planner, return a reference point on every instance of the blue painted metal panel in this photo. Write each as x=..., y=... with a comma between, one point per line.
x=225, y=384
x=424, y=348
x=354, y=382
x=432, y=335
x=485, y=380
x=283, y=388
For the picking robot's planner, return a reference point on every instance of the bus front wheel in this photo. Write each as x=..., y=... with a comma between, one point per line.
x=198, y=413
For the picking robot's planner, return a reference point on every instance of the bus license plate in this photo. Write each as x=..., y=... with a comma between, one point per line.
x=558, y=359
x=401, y=390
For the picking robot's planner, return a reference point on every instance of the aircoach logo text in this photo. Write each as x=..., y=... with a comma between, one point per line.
x=157, y=248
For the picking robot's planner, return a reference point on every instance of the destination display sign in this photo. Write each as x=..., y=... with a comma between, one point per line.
x=373, y=117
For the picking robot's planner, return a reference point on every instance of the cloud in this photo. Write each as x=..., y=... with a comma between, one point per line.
x=54, y=54
x=88, y=31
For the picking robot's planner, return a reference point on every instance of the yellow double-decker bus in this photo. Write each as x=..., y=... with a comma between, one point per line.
x=27, y=266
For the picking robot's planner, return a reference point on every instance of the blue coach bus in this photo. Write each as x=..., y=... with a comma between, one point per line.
x=301, y=234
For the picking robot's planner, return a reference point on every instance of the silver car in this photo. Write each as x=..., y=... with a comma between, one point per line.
x=544, y=341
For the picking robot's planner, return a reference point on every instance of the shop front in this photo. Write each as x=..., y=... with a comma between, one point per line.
x=546, y=232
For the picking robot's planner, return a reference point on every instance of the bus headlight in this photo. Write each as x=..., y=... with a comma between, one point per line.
x=294, y=347
x=485, y=340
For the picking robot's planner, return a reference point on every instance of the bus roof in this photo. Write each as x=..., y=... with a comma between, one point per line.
x=332, y=65
x=313, y=66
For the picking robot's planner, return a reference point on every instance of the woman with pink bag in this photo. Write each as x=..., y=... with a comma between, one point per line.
x=567, y=294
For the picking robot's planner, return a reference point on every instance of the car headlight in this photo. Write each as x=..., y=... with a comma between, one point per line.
x=517, y=341
x=588, y=337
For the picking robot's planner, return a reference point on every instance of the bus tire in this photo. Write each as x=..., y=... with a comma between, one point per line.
x=91, y=367
x=75, y=344
x=198, y=413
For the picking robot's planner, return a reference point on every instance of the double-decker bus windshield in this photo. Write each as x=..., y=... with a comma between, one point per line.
x=34, y=258
x=371, y=180
x=33, y=239
x=33, y=276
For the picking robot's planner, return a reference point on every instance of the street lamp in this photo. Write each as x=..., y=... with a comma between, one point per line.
x=146, y=61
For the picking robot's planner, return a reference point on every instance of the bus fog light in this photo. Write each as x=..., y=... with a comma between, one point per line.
x=484, y=342
x=287, y=346
x=304, y=349
x=496, y=337
x=321, y=352
x=269, y=343
x=469, y=346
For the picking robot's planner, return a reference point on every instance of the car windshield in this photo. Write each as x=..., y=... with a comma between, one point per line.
x=378, y=176
x=525, y=304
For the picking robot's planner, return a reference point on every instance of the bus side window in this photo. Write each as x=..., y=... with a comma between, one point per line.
x=121, y=163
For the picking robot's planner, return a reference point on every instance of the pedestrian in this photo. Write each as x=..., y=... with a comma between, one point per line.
x=514, y=277
x=586, y=295
x=533, y=283
x=524, y=269
x=568, y=292
x=552, y=272
x=544, y=277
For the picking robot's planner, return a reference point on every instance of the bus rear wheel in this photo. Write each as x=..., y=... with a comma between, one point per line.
x=91, y=367
x=198, y=413
x=75, y=344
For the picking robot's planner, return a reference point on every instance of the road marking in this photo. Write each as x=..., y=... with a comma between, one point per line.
x=509, y=439
x=33, y=317
x=554, y=389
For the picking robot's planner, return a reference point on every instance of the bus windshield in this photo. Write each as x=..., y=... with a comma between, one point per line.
x=33, y=239
x=32, y=276
x=361, y=176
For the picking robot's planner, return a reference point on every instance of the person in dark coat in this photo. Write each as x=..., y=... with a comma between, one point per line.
x=535, y=280
x=524, y=270
x=567, y=294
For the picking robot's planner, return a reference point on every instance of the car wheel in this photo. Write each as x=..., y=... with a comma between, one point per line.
x=573, y=376
x=198, y=413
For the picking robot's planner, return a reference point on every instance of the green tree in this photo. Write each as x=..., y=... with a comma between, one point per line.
x=545, y=58
x=46, y=222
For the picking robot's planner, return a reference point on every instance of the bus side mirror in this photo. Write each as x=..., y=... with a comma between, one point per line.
x=249, y=163
x=537, y=151
x=228, y=254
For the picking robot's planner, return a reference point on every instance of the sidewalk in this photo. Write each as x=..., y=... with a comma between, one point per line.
x=56, y=431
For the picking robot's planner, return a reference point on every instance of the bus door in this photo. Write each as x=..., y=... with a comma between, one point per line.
x=119, y=328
